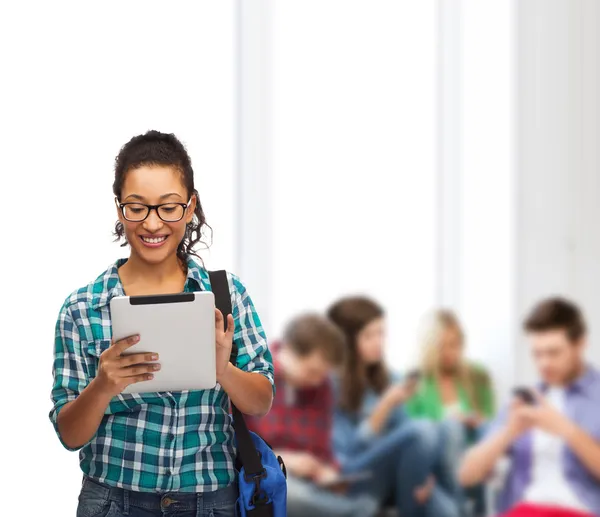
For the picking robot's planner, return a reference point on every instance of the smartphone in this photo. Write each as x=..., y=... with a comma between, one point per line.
x=347, y=479
x=525, y=394
x=413, y=377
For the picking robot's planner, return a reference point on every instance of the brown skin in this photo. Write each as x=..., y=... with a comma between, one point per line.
x=155, y=271
x=559, y=362
x=79, y=419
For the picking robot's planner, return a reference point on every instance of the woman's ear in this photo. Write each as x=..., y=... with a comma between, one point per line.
x=119, y=213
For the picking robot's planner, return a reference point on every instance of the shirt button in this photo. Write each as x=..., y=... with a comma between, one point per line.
x=168, y=473
x=171, y=437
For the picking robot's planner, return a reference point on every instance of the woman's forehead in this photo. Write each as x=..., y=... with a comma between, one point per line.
x=152, y=182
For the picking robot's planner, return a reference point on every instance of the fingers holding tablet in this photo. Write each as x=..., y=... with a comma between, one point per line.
x=221, y=327
x=142, y=357
x=118, y=347
x=117, y=371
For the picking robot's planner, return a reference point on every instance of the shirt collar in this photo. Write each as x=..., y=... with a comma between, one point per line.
x=582, y=383
x=108, y=284
x=585, y=380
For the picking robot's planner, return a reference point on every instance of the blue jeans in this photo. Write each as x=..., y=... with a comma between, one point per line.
x=99, y=500
x=401, y=461
x=304, y=499
x=457, y=439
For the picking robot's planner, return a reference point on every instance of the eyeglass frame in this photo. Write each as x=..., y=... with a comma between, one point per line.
x=150, y=208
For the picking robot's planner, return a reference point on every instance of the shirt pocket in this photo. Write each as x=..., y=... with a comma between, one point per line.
x=123, y=403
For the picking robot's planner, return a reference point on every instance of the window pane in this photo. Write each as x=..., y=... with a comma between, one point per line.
x=354, y=159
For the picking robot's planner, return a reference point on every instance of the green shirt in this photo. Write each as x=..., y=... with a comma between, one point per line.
x=153, y=442
x=427, y=402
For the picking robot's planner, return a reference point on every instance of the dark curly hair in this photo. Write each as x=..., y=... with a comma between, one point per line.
x=156, y=148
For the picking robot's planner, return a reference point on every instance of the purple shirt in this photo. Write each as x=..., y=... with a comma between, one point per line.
x=582, y=406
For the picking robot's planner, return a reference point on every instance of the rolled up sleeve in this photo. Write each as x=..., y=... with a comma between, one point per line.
x=69, y=368
x=253, y=354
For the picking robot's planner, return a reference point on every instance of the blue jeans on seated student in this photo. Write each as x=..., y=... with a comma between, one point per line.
x=304, y=499
x=99, y=500
x=457, y=439
x=401, y=461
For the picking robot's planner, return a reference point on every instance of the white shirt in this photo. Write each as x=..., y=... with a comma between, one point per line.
x=549, y=486
x=453, y=410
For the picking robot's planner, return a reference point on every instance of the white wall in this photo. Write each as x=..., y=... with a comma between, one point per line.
x=476, y=179
x=558, y=242
x=353, y=206
x=79, y=80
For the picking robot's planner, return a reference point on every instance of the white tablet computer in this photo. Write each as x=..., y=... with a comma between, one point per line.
x=178, y=327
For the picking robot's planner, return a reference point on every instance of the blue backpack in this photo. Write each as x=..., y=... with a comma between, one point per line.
x=262, y=475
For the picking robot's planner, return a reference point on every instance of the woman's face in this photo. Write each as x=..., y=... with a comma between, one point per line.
x=154, y=240
x=451, y=349
x=370, y=341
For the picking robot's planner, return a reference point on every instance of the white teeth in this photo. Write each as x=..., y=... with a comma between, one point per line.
x=153, y=240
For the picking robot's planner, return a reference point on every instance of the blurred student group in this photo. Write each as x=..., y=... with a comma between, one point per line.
x=360, y=439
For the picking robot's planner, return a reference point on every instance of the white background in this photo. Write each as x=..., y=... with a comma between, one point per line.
x=353, y=159
x=78, y=80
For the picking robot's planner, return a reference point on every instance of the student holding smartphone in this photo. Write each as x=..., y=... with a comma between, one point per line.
x=371, y=428
x=453, y=391
x=151, y=453
x=551, y=433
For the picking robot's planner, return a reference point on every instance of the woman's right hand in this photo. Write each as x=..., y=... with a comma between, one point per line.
x=117, y=371
x=397, y=394
x=301, y=464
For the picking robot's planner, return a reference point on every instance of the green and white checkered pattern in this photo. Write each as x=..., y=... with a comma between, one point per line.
x=153, y=442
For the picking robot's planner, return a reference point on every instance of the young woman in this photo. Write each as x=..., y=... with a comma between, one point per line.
x=453, y=391
x=153, y=454
x=371, y=429
x=451, y=387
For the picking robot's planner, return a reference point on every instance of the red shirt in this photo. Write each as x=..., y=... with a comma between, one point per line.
x=300, y=419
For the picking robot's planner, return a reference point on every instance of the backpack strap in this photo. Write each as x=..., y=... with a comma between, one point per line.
x=247, y=452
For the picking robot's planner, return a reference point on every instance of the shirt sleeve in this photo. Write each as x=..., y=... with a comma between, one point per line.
x=349, y=436
x=350, y=433
x=69, y=368
x=253, y=354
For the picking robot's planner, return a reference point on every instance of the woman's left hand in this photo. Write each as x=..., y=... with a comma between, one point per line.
x=472, y=420
x=224, y=341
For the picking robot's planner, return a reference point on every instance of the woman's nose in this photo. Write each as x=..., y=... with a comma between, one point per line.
x=152, y=222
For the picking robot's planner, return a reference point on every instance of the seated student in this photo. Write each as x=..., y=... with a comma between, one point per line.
x=371, y=428
x=452, y=390
x=553, y=439
x=451, y=387
x=298, y=427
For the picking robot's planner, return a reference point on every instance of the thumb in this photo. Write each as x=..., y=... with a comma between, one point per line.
x=230, y=326
x=218, y=321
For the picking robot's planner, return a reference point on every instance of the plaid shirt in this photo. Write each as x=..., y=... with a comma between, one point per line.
x=152, y=442
x=299, y=420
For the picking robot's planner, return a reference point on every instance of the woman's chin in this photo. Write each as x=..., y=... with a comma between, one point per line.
x=154, y=255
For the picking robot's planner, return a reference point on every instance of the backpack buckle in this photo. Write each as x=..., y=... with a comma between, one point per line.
x=255, y=477
x=259, y=498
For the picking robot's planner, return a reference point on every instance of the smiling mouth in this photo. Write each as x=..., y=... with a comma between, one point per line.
x=154, y=240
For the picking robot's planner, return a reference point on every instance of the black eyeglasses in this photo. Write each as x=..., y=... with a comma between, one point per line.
x=138, y=212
